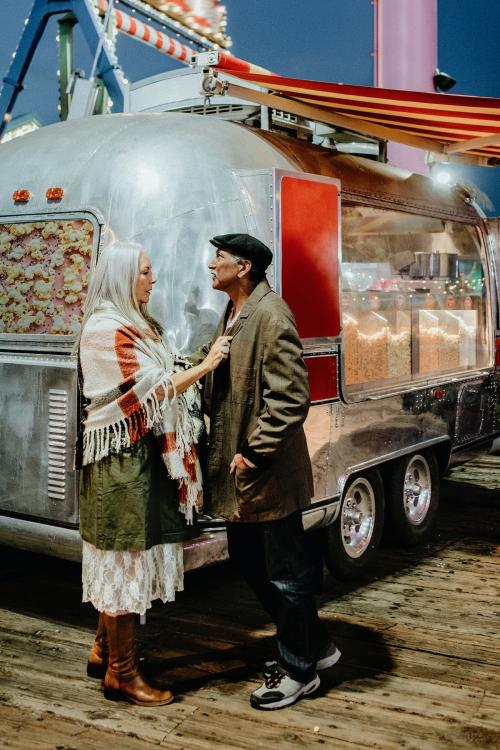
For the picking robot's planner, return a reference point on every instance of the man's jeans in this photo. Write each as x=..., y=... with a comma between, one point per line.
x=272, y=557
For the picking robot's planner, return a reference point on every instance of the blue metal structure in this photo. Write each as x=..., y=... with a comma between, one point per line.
x=93, y=31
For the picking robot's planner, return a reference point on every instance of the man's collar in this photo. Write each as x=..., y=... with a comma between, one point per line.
x=255, y=297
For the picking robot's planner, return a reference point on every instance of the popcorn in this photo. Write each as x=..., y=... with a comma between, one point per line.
x=57, y=260
x=42, y=305
x=24, y=286
x=73, y=286
x=42, y=289
x=44, y=270
x=77, y=260
x=76, y=235
x=15, y=295
x=70, y=274
x=36, y=271
x=20, y=230
x=14, y=272
x=24, y=323
x=16, y=253
x=35, y=245
x=50, y=229
x=58, y=325
x=20, y=309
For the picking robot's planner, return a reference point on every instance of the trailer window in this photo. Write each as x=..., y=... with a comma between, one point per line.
x=413, y=298
x=44, y=269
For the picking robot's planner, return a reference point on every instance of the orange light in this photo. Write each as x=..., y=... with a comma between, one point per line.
x=54, y=194
x=21, y=196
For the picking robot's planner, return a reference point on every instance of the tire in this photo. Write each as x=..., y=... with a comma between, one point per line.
x=352, y=540
x=413, y=498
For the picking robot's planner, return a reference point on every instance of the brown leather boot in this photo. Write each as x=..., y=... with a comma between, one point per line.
x=97, y=663
x=122, y=680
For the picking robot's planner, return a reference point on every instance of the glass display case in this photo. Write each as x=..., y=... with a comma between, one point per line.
x=412, y=298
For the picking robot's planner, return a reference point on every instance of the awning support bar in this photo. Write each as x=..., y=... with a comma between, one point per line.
x=473, y=143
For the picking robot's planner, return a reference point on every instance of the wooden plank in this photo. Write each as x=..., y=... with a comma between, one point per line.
x=419, y=637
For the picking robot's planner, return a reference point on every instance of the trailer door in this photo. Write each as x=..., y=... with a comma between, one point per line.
x=307, y=270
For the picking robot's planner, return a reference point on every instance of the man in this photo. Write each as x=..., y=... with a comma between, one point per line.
x=259, y=475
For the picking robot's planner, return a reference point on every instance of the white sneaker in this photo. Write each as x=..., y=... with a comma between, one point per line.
x=279, y=690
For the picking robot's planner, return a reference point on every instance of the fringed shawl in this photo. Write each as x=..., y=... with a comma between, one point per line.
x=127, y=372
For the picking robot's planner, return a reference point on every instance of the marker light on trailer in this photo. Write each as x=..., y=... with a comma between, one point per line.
x=54, y=193
x=21, y=196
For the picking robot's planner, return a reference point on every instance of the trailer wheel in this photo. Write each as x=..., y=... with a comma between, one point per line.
x=352, y=540
x=413, y=498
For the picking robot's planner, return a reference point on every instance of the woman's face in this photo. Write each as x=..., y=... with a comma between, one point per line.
x=146, y=279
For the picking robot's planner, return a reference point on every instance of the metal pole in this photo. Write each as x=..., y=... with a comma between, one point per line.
x=66, y=24
x=406, y=58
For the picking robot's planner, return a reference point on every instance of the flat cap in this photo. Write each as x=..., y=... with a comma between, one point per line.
x=245, y=246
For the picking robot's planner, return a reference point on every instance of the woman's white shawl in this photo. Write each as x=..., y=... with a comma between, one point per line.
x=127, y=372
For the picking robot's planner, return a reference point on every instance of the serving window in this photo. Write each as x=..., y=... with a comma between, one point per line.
x=44, y=267
x=414, y=301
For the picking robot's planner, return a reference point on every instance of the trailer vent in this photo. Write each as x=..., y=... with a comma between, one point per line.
x=58, y=415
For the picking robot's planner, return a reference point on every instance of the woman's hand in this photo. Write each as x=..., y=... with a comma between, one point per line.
x=218, y=353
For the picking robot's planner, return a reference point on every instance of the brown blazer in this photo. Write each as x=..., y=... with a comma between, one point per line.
x=257, y=402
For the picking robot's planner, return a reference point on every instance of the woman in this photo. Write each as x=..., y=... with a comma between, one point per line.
x=141, y=480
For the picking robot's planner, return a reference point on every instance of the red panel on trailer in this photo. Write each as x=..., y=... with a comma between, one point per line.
x=309, y=254
x=322, y=373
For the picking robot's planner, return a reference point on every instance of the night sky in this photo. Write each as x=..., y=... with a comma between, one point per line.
x=329, y=40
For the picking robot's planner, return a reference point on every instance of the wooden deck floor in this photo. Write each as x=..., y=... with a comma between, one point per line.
x=420, y=642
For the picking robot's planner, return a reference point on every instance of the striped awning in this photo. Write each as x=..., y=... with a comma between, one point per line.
x=460, y=128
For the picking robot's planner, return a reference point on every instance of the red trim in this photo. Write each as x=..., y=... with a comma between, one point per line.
x=322, y=372
x=497, y=352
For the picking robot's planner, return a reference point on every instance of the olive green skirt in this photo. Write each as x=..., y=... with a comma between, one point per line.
x=129, y=502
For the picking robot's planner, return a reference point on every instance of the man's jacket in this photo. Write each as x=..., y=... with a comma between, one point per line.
x=257, y=402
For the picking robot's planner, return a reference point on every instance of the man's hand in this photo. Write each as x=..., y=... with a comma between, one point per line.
x=239, y=462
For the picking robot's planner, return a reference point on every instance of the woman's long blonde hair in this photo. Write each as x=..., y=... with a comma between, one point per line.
x=115, y=280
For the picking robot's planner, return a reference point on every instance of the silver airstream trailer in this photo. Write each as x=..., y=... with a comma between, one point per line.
x=389, y=276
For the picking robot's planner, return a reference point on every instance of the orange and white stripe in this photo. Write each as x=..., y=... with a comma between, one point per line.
x=457, y=123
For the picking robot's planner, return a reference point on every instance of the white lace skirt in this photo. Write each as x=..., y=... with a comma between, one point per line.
x=128, y=581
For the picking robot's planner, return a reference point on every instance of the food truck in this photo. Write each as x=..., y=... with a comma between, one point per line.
x=391, y=279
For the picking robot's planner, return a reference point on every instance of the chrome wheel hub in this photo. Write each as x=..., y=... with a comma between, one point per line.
x=417, y=490
x=358, y=517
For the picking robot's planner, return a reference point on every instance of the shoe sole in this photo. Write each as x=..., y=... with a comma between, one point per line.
x=306, y=692
x=328, y=661
x=118, y=695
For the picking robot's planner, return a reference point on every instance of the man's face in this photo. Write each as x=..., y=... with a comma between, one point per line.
x=225, y=268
